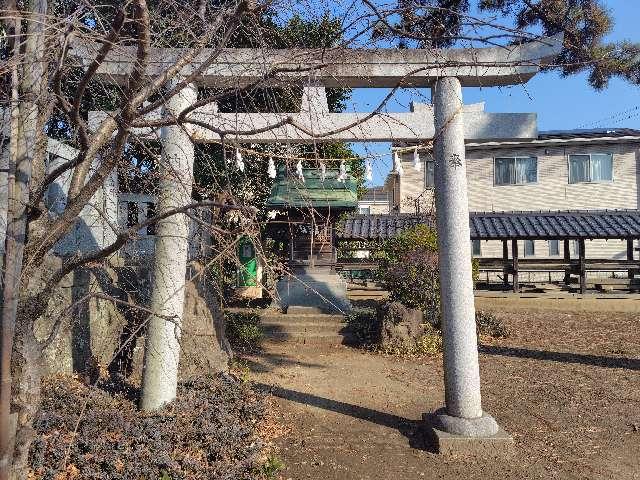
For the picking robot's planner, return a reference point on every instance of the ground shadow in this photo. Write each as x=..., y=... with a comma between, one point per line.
x=262, y=361
x=413, y=430
x=564, y=357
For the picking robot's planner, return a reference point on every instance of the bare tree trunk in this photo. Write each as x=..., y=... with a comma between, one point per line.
x=27, y=368
x=162, y=346
x=14, y=248
x=27, y=87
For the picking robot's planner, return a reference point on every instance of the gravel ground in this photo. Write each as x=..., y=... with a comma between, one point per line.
x=564, y=385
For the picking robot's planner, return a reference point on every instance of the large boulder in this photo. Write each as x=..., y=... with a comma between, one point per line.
x=94, y=330
x=400, y=327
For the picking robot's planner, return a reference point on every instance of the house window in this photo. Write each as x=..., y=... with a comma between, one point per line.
x=476, y=249
x=429, y=171
x=515, y=170
x=364, y=210
x=529, y=248
x=554, y=248
x=595, y=167
x=576, y=247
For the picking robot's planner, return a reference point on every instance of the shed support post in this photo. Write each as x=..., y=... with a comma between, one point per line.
x=505, y=262
x=567, y=259
x=630, y=271
x=334, y=248
x=463, y=415
x=291, y=250
x=312, y=262
x=582, y=266
x=514, y=255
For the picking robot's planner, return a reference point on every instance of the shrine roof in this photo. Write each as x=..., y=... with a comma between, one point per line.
x=289, y=191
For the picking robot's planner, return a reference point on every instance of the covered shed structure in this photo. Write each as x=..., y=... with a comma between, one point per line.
x=509, y=227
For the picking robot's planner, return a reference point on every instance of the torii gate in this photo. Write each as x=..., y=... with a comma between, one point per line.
x=462, y=423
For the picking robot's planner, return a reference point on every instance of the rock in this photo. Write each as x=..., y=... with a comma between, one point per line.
x=95, y=329
x=400, y=326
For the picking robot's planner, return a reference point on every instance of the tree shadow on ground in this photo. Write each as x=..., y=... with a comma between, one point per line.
x=413, y=430
x=262, y=362
x=564, y=357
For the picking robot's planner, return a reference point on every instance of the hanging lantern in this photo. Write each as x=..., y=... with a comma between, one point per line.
x=368, y=173
x=323, y=171
x=417, y=164
x=299, y=171
x=239, y=161
x=271, y=170
x=397, y=164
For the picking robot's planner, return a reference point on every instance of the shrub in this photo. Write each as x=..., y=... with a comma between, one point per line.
x=243, y=330
x=409, y=270
x=427, y=344
x=363, y=327
x=488, y=324
x=430, y=343
x=271, y=467
x=209, y=431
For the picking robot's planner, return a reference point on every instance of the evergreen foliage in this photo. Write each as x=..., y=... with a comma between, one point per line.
x=585, y=24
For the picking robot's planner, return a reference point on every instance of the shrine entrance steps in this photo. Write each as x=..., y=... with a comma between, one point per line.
x=305, y=325
x=313, y=287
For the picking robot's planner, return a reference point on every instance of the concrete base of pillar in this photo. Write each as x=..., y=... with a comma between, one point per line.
x=485, y=438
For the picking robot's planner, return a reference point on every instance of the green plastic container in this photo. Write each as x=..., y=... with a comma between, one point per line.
x=248, y=272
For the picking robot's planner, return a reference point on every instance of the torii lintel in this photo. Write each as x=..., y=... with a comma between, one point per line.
x=339, y=67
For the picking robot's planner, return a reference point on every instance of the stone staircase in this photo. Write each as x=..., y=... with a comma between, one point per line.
x=305, y=325
x=314, y=287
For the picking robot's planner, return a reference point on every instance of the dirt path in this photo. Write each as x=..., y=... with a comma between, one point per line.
x=566, y=386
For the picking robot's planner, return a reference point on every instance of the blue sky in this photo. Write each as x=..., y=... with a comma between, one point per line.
x=561, y=103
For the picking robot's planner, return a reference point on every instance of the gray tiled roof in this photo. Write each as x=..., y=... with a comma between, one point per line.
x=588, y=133
x=576, y=134
x=378, y=226
x=603, y=224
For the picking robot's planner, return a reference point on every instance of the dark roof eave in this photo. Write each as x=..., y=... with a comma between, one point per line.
x=562, y=225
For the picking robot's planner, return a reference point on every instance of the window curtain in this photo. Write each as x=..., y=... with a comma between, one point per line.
x=476, y=249
x=505, y=171
x=578, y=168
x=527, y=170
x=529, y=248
x=601, y=168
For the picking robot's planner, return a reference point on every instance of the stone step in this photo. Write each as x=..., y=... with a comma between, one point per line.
x=307, y=338
x=314, y=278
x=326, y=328
x=298, y=310
x=307, y=319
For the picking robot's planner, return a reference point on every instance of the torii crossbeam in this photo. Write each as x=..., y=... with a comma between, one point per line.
x=337, y=67
x=318, y=126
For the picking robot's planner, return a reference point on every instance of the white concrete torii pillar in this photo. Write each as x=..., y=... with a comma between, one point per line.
x=162, y=341
x=463, y=415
